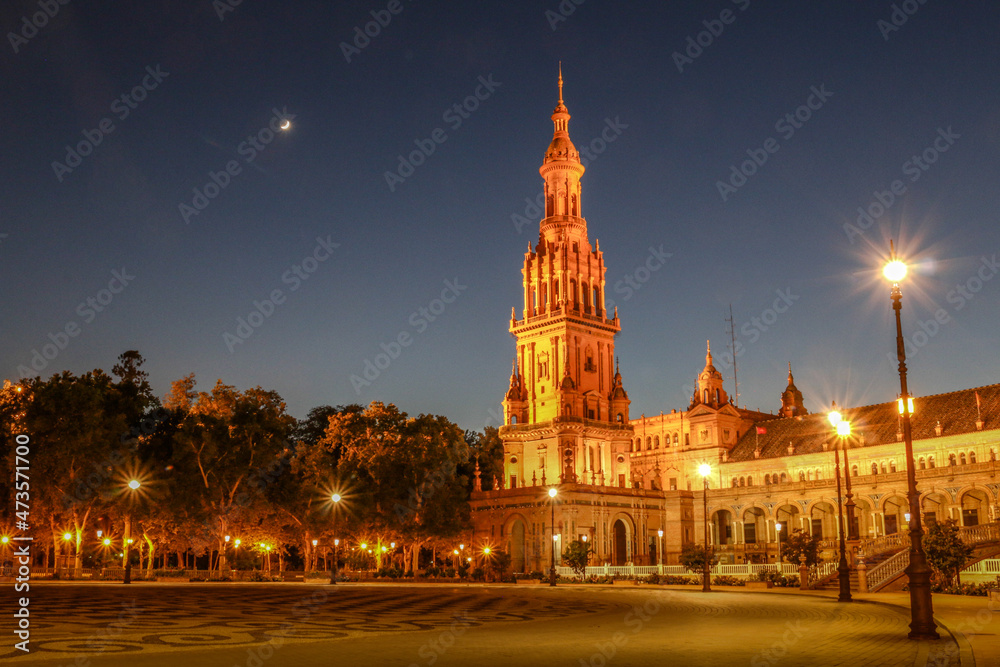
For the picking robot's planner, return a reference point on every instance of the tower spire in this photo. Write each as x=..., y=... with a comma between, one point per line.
x=560, y=84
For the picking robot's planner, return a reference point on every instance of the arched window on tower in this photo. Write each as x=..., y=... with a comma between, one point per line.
x=549, y=206
x=656, y=442
x=576, y=210
x=597, y=300
x=704, y=396
x=556, y=294
x=649, y=443
x=717, y=397
x=586, y=295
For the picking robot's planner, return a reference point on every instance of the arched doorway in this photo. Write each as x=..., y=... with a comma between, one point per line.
x=823, y=521
x=894, y=511
x=619, y=543
x=975, y=508
x=754, y=526
x=722, y=522
x=516, y=549
x=934, y=507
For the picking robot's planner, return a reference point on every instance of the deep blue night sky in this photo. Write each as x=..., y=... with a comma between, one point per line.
x=888, y=94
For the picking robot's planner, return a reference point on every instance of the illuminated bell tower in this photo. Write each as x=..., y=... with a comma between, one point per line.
x=564, y=365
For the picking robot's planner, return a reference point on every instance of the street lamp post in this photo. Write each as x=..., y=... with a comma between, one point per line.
x=333, y=571
x=777, y=532
x=706, y=584
x=132, y=485
x=552, y=563
x=843, y=570
x=922, y=624
x=659, y=552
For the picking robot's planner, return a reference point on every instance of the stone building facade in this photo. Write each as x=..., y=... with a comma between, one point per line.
x=620, y=481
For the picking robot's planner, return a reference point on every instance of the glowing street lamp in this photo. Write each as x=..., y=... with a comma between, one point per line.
x=133, y=485
x=777, y=532
x=335, y=498
x=706, y=584
x=552, y=565
x=922, y=624
x=659, y=552
x=843, y=429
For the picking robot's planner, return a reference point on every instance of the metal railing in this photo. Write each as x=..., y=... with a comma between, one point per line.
x=887, y=570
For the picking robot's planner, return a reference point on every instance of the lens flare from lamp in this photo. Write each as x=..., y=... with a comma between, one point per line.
x=894, y=270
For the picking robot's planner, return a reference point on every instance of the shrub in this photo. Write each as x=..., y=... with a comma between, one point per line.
x=727, y=580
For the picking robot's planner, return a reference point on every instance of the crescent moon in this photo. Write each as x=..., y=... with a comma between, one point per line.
x=286, y=125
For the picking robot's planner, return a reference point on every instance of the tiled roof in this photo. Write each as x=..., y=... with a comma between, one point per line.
x=877, y=424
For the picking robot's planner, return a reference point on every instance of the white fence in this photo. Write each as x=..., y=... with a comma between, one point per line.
x=745, y=570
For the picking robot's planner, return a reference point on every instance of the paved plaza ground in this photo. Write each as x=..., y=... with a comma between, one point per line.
x=253, y=625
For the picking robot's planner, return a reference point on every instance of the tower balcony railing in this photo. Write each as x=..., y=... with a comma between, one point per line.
x=577, y=311
x=596, y=423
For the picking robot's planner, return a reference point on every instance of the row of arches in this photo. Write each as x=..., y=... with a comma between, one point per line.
x=531, y=550
x=886, y=516
x=653, y=442
x=589, y=296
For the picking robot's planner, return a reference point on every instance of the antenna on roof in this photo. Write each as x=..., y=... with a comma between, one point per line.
x=732, y=350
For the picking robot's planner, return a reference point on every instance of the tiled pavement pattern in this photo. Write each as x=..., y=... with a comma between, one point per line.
x=186, y=624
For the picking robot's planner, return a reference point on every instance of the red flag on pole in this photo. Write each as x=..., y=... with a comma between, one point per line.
x=761, y=430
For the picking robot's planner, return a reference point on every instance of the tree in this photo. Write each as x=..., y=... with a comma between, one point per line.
x=577, y=556
x=227, y=451
x=404, y=472
x=497, y=563
x=946, y=552
x=799, y=543
x=693, y=558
